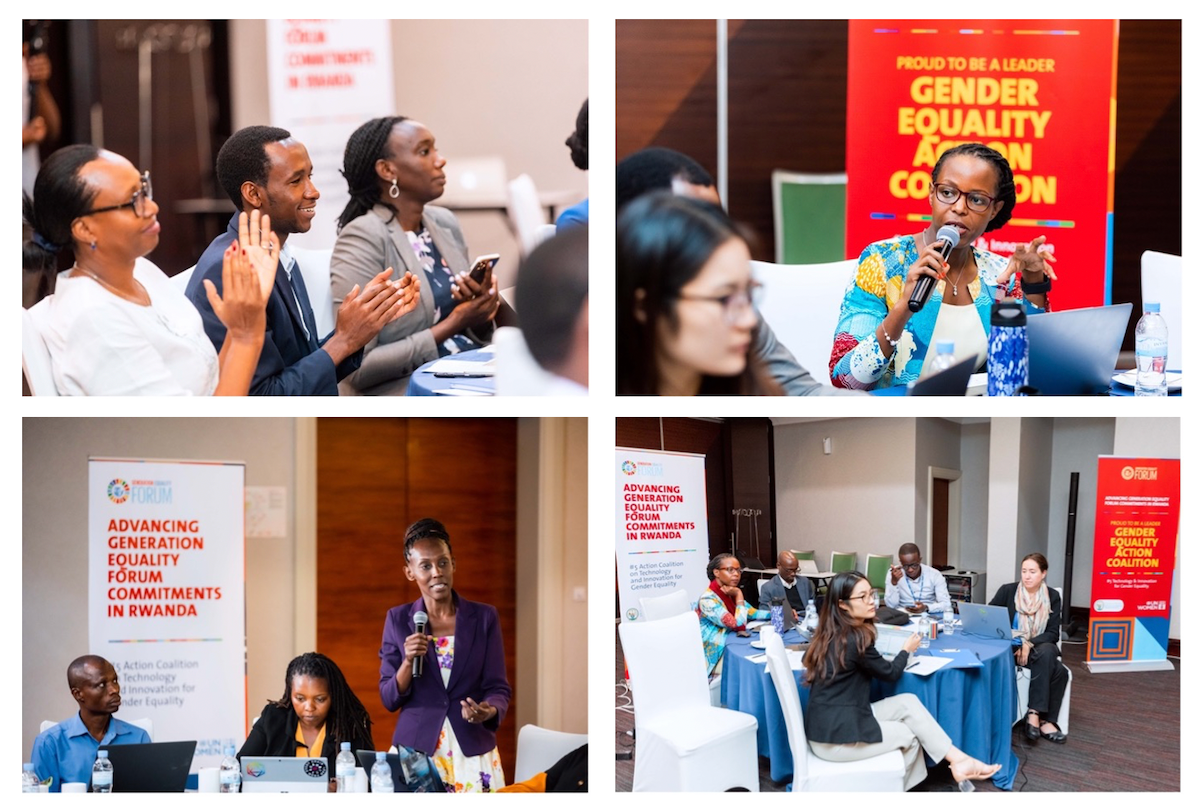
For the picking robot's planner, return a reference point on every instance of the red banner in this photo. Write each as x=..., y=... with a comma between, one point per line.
x=1040, y=92
x=1133, y=560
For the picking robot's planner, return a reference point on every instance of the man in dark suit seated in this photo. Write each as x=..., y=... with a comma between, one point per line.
x=786, y=586
x=264, y=168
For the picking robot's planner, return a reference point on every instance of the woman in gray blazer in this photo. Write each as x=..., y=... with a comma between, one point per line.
x=394, y=171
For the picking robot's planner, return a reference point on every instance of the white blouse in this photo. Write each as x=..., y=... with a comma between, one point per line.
x=959, y=323
x=101, y=343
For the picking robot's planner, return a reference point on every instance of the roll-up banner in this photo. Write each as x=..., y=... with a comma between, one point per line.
x=327, y=77
x=1133, y=564
x=166, y=595
x=662, y=526
x=1040, y=92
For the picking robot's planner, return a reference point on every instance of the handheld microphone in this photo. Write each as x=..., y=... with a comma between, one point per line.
x=948, y=235
x=420, y=619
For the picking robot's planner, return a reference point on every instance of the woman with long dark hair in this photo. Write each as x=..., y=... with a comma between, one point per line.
x=115, y=324
x=841, y=722
x=1036, y=612
x=316, y=713
x=451, y=707
x=879, y=340
x=685, y=315
x=394, y=171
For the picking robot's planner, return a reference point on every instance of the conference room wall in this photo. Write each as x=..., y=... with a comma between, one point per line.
x=54, y=543
x=484, y=87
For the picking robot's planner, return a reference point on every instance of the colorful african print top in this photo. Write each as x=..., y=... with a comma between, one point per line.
x=716, y=622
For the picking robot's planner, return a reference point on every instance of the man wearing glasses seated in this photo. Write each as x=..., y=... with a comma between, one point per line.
x=921, y=590
x=795, y=591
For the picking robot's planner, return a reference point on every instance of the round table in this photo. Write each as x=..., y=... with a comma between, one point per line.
x=424, y=383
x=974, y=705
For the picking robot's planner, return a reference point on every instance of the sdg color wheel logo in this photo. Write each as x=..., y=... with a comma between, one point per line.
x=118, y=491
x=628, y=468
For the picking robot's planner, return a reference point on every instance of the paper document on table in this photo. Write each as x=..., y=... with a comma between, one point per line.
x=925, y=665
x=796, y=659
x=463, y=367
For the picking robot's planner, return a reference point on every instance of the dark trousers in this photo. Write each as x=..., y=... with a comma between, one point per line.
x=1047, y=681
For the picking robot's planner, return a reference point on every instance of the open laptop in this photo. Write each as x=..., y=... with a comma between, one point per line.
x=988, y=621
x=285, y=775
x=1075, y=351
x=890, y=639
x=151, y=766
x=412, y=771
x=807, y=567
x=950, y=382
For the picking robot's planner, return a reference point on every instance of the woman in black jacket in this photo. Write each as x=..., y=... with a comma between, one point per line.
x=841, y=722
x=1040, y=614
x=317, y=711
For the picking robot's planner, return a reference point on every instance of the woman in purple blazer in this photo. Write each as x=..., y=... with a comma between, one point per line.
x=452, y=707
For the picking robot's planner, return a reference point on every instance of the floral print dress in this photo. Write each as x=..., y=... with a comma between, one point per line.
x=477, y=773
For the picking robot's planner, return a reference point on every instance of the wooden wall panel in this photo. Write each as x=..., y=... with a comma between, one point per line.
x=374, y=478
x=667, y=87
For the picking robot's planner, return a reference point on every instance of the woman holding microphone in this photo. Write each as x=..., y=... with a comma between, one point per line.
x=442, y=665
x=841, y=722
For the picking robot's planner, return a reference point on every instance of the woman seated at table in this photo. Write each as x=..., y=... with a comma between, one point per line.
x=317, y=712
x=394, y=171
x=722, y=609
x=1036, y=612
x=685, y=317
x=841, y=722
x=116, y=324
x=879, y=341
x=452, y=710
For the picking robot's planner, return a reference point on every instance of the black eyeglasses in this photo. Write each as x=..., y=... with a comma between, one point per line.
x=137, y=202
x=908, y=567
x=948, y=195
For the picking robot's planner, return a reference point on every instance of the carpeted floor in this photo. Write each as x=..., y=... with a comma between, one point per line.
x=1124, y=736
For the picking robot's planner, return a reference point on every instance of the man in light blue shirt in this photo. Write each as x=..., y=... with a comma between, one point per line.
x=914, y=586
x=67, y=750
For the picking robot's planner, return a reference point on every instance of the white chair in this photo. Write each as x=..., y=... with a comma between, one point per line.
x=35, y=357
x=809, y=773
x=181, y=279
x=314, y=267
x=801, y=303
x=525, y=213
x=665, y=605
x=538, y=749
x=683, y=743
x=1162, y=281
x=546, y=232
x=517, y=373
x=1023, y=677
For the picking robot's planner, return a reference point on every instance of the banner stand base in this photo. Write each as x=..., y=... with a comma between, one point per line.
x=1129, y=666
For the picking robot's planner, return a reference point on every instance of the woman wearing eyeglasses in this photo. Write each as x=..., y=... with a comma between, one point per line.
x=722, y=609
x=685, y=320
x=116, y=324
x=841, y=722
x=879, y=340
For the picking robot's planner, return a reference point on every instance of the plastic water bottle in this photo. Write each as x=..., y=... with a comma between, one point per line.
x=345, y=769
x=923, y=627
x=231, y=772
x=381, y=775
x=1151, y=345
x=102, y=773
x=29, y=779
x=810, y=617
x=944, y=358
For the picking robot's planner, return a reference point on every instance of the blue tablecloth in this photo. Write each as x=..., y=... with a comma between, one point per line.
x=975, y=706
x=424, y=384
